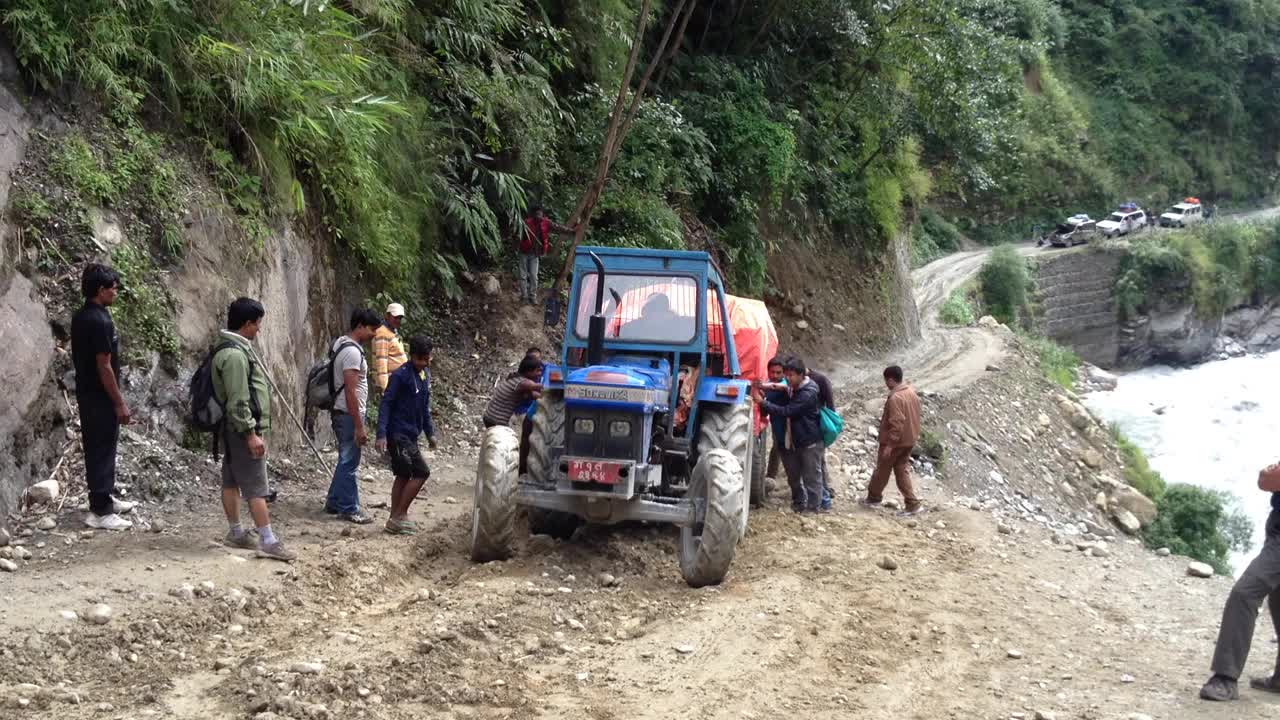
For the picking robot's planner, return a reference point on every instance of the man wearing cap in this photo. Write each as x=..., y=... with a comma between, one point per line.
x=388, y=350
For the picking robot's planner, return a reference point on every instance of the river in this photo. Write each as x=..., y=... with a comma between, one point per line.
x=1220, y=424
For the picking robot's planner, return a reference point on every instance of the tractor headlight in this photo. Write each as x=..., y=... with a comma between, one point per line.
x=584, y=426
x=619, y=428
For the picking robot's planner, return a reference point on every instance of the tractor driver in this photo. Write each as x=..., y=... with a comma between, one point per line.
x=655, y=322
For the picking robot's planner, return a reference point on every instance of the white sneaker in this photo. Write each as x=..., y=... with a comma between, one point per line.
x=107, y=522
x=122, y=507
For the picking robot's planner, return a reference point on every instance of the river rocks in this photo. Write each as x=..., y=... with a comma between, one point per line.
x=4, y=537
x=46, y=524
x=8, y=565
x=99, y=614
x=184, y=592
x=1200, y=570
x=802, y=324
x=1126, y=520
x=887, y=563
x=1142, y=507
x=1096, y=379
x=489, y=284
x=1043, y=421
x=307, y=668
x=43, y=492
x=1164, y=552
x=1014, y=654
x=1256, y=328
x=606, y=580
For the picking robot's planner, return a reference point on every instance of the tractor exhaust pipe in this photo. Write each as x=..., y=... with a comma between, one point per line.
x=595, y=327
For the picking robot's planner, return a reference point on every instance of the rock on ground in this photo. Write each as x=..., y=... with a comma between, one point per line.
x=8, y=565
x=99, y=614
x=43, y=492
x=1142, y=507
x=887, y=563
x=1200, y=570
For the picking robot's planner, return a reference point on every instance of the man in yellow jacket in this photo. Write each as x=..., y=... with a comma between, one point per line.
x=388, y=349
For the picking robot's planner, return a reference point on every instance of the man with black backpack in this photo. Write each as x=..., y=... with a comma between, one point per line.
x=350, y=380
x=241, y=389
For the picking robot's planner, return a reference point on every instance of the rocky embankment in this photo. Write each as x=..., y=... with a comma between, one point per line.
x=1075, y=305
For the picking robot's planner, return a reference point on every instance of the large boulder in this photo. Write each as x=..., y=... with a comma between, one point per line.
x=1142, y=507
x=1126, y=520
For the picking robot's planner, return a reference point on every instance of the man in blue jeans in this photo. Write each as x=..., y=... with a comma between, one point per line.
x=351, y=377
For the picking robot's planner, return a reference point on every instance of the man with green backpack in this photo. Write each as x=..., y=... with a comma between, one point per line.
x=803, y=433
x=240, y=389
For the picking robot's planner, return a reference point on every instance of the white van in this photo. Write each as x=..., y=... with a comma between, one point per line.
x=1122, y=222
x=1182, y=215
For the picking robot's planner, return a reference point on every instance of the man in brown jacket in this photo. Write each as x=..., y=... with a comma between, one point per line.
x=899, y=431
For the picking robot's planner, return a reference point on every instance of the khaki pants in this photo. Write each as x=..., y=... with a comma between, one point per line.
x=899, y=463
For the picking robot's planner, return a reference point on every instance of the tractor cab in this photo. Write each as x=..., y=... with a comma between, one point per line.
x=648, y=415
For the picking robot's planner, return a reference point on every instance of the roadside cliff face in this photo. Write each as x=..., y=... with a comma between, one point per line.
x=298, y=278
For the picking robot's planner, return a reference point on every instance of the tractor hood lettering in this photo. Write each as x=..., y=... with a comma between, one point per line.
x=635, y=396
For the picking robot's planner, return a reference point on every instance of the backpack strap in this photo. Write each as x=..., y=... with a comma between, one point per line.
x=344, y=343
x=255, y=408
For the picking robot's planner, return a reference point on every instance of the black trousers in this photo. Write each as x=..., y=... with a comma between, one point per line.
x=101, y=435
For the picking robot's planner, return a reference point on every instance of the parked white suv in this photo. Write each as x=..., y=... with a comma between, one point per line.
x=1122, y=222
x=1182, y=215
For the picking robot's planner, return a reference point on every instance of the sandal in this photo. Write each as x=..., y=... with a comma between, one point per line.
x=1270, y=684
x=399, y=527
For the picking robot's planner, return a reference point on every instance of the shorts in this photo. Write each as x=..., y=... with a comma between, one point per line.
x=241, y=470
x=406, y=459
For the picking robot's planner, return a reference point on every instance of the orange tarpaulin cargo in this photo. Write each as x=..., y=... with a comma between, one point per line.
x=754, y=337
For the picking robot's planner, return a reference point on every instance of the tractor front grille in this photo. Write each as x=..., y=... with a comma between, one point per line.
x=604, y=434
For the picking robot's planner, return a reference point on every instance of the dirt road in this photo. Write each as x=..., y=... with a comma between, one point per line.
x=944, y=358
x=975, y=621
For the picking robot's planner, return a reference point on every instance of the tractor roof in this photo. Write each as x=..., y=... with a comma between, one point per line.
x=648, y=261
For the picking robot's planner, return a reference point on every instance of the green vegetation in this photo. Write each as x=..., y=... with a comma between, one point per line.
x=1004, y=281
x=957, y=310
x=144, y=311
x=1057, y=362
x=1200, y=523
x=933, y=237
x=1137, y=471
x=1214, y=266
x=1191, y=521
x=416, y=133
x=932, y=446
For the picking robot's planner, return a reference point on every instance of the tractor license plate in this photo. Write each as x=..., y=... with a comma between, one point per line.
x=607, y=473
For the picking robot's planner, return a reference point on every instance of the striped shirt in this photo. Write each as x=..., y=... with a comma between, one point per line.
x=506, y=397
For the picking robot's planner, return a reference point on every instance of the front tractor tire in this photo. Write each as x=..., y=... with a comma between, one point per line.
x=493, y=516
x=547, y=434
x=718, y=492
x=729, y=428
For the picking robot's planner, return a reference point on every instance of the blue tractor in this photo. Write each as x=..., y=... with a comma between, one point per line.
x=645, y=418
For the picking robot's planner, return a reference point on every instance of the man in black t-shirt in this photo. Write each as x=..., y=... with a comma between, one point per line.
x=95, y=352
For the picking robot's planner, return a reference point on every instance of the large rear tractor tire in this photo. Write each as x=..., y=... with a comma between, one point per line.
x=493, y=516
x=759, y=463
x=707, y=548
x=728, y=428
x=548, y=434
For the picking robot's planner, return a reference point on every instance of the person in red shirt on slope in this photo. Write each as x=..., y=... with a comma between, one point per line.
x=535, y=241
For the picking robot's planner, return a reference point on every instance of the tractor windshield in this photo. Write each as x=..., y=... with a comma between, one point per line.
x=642, y=308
